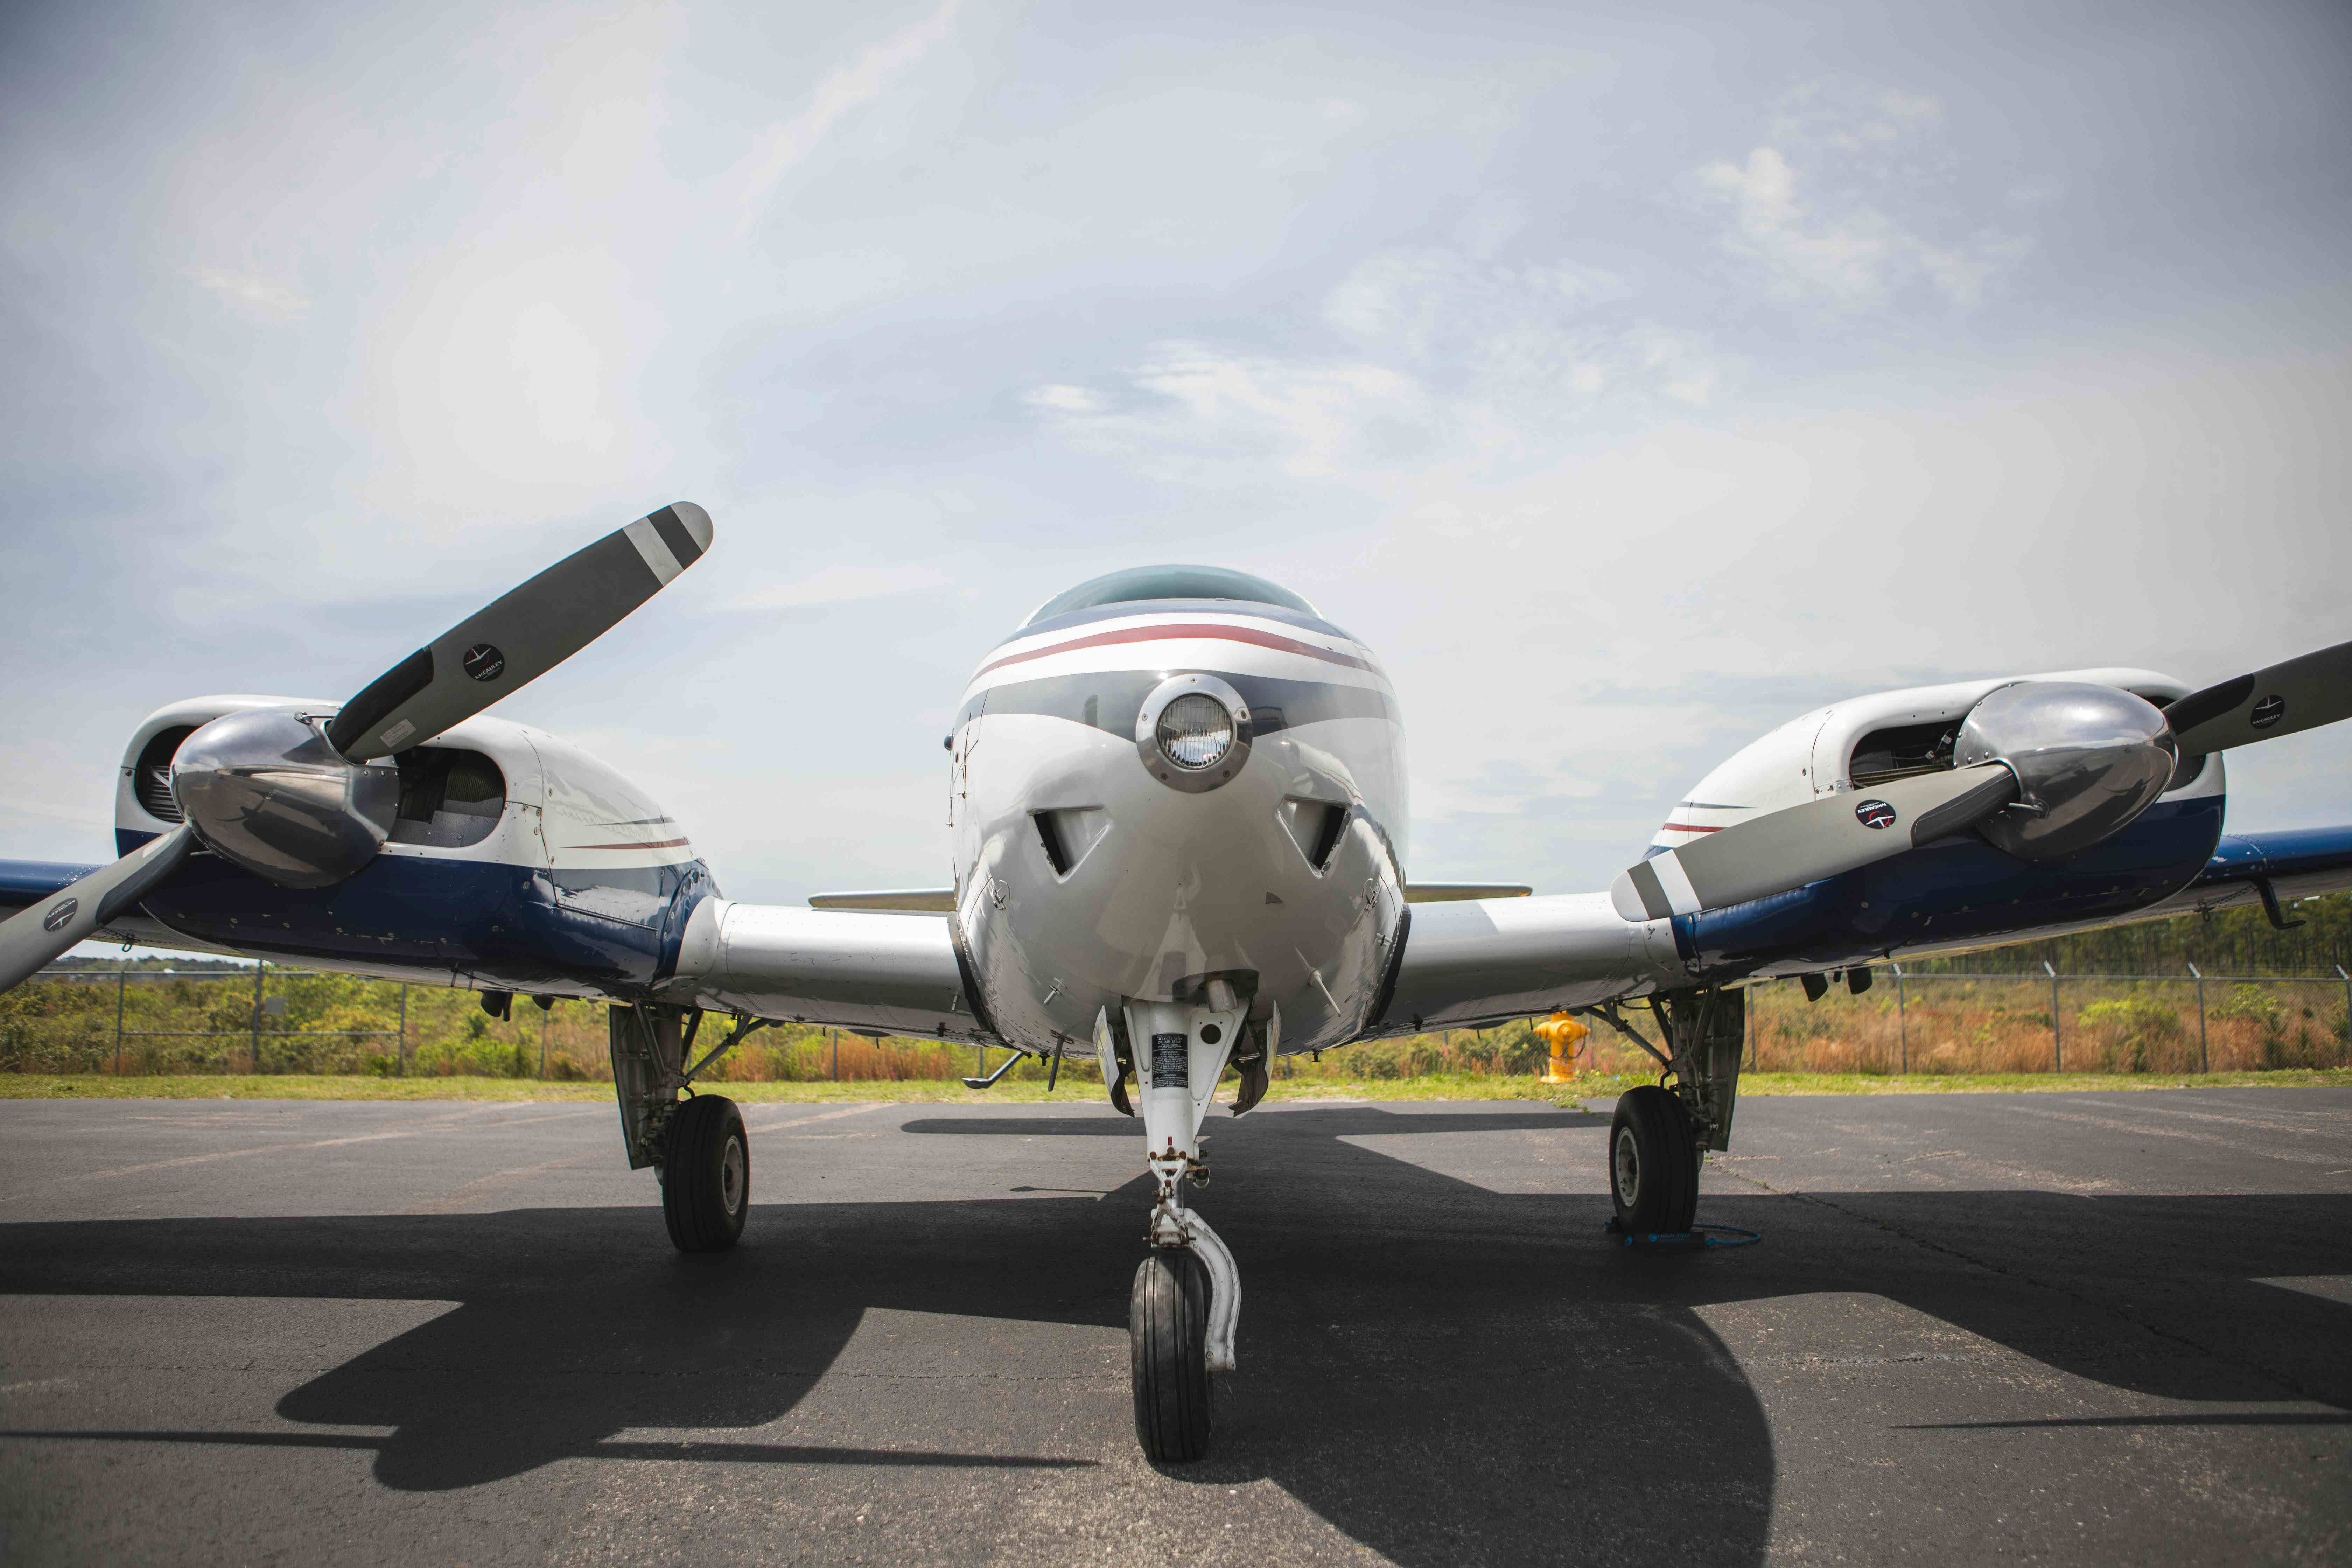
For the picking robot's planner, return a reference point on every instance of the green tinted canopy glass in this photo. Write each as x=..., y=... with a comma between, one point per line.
x=1138, y=583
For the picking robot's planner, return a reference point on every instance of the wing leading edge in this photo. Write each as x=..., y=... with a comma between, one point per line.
x=881, y=973
x=1484, y=961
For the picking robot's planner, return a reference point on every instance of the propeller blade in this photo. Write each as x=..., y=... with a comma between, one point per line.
x=1785, y=849
x=32, y=937
x=521, y=636
x=2302, y=693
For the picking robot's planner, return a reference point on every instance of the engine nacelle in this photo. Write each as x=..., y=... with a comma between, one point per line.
x=1868, y=740
x=264, y=790
x=2088, y=759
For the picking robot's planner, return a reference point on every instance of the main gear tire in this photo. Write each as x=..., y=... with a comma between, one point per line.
x=1653, y=1158
x=706, y=1175
x=1167, y=1329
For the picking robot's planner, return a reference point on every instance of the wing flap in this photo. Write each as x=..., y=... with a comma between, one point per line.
x=1456, y=892
x=899, y=900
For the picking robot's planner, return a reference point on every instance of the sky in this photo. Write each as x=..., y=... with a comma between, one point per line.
x=1631, y=378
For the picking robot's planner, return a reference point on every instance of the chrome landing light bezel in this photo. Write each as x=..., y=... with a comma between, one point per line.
x=1220, y=771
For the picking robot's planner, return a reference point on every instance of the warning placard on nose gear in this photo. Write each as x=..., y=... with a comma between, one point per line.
x=1172, y=1062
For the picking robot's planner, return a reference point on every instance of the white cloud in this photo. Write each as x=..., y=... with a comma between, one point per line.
x=1058, y=399
x=1199, y=413
x=1446, y=360
x=786, y=143
x=1838, y=208
x=263, y=298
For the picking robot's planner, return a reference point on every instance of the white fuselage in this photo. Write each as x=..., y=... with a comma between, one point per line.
x=1158, y=889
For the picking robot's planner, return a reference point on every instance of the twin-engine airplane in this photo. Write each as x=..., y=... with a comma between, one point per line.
x=1177, y=797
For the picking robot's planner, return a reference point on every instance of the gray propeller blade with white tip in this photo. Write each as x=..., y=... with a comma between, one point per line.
x=32, y=937
x=521, y=636
x=2302, y=693
x=1823, y=838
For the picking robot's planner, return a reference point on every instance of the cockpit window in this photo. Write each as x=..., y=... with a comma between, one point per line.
x=1169, y=582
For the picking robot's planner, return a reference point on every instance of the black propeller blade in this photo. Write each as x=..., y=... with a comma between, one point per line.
x=32, y=937
x=521, y=636
x=2302, y=693
x=1802, y=844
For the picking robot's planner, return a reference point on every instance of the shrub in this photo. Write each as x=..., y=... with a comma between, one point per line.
x=2254, y=1004
x=2135, y=1025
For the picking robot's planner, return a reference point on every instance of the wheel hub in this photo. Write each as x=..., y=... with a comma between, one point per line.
x=1626, y=1164
x=730, y=1176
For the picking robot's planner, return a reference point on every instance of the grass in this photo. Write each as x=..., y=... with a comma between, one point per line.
x=1437, y=1086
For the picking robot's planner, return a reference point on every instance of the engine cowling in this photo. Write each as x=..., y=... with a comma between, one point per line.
x=264, y=790
x=2088, y=760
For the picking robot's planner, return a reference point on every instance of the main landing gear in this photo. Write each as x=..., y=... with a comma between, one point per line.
x=697, y=1146
x=1660, y=1134
x=706, y=1175
x=1187, y=1297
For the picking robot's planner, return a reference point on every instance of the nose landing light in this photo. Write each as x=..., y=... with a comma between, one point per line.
x=1193, y=732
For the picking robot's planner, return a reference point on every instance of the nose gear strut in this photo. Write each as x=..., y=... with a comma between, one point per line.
x=1187, y=1299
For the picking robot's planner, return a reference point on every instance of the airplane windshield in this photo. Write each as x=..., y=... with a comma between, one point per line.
x=1169, y=582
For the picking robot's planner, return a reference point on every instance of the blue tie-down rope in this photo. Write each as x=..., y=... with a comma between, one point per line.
x=1697, y=1236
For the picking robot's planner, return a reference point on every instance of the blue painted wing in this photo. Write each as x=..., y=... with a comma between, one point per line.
x=27, y=882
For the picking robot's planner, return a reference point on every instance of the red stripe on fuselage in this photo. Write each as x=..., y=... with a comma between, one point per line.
x=1202, y=631
x=1685, y=828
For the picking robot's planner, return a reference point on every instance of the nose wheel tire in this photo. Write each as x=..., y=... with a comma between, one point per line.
x=1653, y=1159
x=1167, y=1327
x=706, y=1175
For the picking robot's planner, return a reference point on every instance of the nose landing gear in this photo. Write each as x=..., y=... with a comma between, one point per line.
x=1187, y=1296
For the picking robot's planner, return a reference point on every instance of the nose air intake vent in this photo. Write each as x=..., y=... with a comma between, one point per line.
x=151, y=780
x=1050, y=838
x=1069, y=835
x=1315, y=825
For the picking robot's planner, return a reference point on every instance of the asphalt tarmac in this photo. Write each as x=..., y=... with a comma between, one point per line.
x=2060, y=1328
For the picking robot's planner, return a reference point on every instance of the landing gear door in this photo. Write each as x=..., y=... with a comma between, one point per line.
x=648, y=1042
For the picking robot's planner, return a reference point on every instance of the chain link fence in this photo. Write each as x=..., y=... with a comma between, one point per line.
x=221, y=1019
x=1961, y=1022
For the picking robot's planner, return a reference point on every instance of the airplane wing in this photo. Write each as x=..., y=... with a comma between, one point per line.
x=872, y=971
x=24, y=883
x=1474, y=962
x=1486, y=961
x=2291, y=864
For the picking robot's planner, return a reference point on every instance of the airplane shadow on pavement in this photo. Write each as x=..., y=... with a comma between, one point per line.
x=1445, y=1373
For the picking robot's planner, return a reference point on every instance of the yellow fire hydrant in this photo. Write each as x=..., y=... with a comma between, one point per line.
x=1561, y=1033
